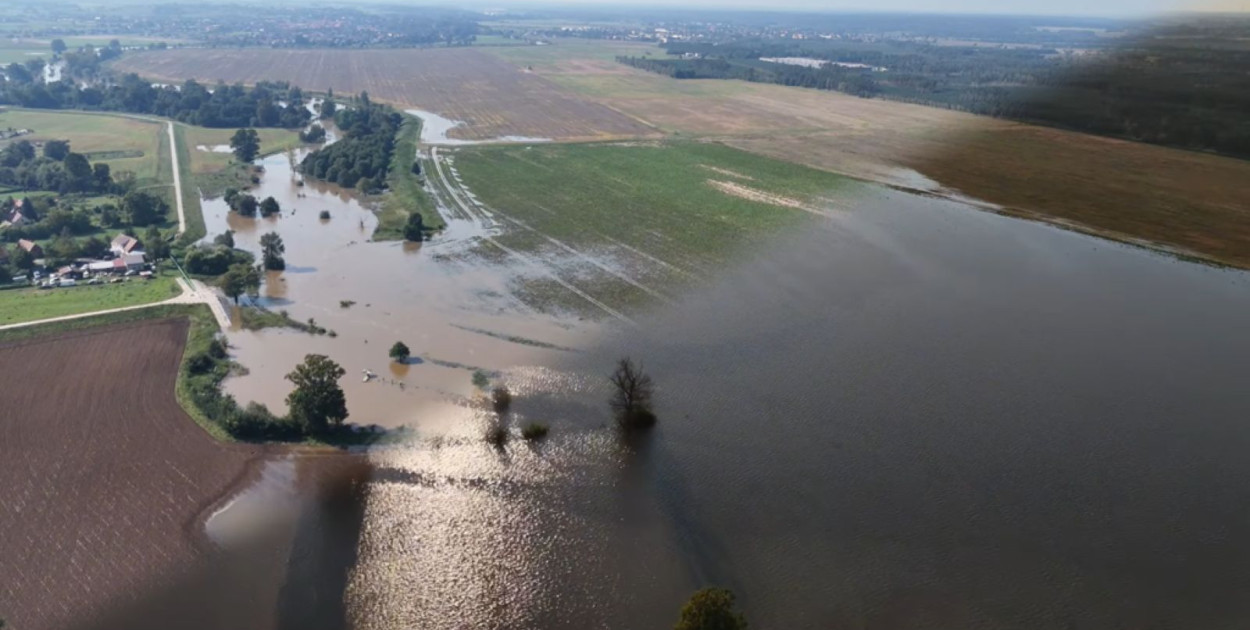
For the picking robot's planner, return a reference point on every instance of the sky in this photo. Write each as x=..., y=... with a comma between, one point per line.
x=1031, y=7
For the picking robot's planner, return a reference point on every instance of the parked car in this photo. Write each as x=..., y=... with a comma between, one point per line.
x=66, y=282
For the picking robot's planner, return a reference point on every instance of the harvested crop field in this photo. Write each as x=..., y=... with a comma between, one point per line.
x=106, y=480
x=493, y=97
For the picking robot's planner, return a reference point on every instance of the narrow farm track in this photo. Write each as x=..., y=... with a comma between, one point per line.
x=105, y=477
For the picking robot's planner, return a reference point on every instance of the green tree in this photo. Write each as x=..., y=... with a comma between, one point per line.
x=58, y=46
x=110, y=216
x=143, y=208
x=326, y=110
x=79, y=171
x=710, y=609
x=102, y=176
x=272, y=249
x=317, y=402
x=269, y=207
x=22, y=259
x=225, y=239
x=56, y=149
x=240, y=279
x=155, y=244
x=631, y=396
x=246, y=145
x=63, y=249
x=6, y=276
x=400, y=352
x=245, y=205
x=415, y=228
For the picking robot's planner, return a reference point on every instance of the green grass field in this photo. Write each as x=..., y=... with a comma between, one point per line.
x=661, y=213
x=101, y=134
x=24, y=305
x=406, y=194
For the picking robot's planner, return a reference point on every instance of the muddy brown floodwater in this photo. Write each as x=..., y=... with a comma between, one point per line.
x=913, y=414
x=455, y=312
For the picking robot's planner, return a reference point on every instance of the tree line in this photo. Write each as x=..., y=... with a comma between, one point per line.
x=269, y=104
x=59, y=169
x=362, y=156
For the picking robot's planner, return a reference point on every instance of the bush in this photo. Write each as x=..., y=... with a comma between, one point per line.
x=501, y=400
x=534, y=431
x=481, y=379
x=200, y=363
x=325, y=215
x=497, y=435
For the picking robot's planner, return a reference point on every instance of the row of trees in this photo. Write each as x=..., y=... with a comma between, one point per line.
x=59, y=169
x=246, y=204
x=362, y=157
x=269, y=104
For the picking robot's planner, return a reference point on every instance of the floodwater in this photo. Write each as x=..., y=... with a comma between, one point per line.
x=913, y=414
x=434, y=130
x=916, y=415
x=455, y=313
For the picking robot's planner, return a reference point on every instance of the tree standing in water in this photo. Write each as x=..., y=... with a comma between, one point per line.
x=399, y=352
x=272, y=249
x=711, y=609
x=631, y=398
x=317, y=403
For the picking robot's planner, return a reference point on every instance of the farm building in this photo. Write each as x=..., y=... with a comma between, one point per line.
x=125, y=244
x=31, y=247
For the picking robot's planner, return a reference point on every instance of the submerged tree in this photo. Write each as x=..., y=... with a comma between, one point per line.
x=414, y=230
x=269, y=207
x=272, y=249
x=239, y=279
x=399, y=352
x=317, y=403
x=631, y=399
x=710, y=609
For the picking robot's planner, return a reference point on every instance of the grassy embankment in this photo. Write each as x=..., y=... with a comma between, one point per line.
x=661, y=214
x=29, y=304
x=406, y=194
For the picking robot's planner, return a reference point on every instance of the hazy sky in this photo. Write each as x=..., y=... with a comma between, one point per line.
x=1037, y=7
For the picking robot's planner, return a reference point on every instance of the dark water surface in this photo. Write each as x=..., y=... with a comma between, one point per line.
x=914, y=416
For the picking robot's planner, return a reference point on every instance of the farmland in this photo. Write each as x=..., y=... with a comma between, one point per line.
x=95, y=404
x=630, y=223
x=126, y=144
x=24, y=305
x=493, y=97
x=1182, y=200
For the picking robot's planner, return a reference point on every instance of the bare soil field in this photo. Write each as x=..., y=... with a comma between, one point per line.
x=106, y=480
x=495, y=98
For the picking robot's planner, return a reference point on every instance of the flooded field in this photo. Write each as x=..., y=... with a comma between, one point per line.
x=915, y=416
x=456, y=313
x=912, y=414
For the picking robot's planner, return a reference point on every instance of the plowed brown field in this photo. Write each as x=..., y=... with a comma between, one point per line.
x=104, y=480
x=495, y=98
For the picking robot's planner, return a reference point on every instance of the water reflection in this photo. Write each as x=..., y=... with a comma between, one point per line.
x=915, y=415
x=928, y=416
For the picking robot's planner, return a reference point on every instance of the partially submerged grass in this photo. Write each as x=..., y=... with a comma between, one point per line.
x=629, y=223
x=406, y=194
x=535, y=431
